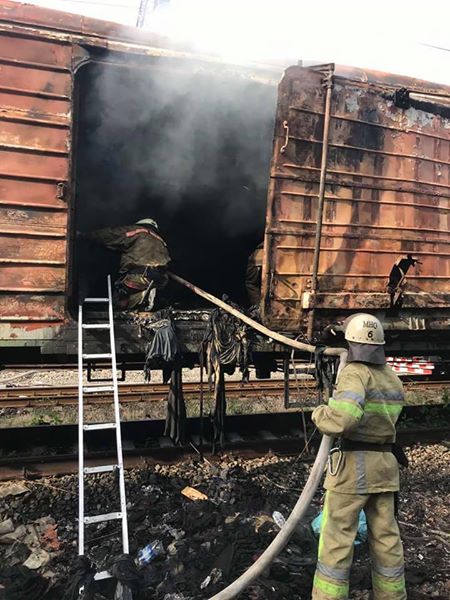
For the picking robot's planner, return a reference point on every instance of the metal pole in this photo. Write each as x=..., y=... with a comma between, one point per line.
x=287, y=402
x=321, y=199
x=142, y=13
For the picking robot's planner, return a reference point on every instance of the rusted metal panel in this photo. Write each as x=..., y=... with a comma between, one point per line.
x=33, y=166
x=31, y=278
x=18, y=250
x=387, y=194
x=39, y=53
x=50, y=221
x=35, y=144
x=37, y=137
x=33, y=193
x=30, y=79
x=31, y=307
x=41, y=106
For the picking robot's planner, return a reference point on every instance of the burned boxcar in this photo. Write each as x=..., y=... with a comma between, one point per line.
x=102, y=125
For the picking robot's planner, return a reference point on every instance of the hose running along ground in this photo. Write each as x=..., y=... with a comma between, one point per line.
x=302, y=505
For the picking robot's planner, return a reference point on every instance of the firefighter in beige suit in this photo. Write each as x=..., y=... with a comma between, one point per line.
x=363, y=472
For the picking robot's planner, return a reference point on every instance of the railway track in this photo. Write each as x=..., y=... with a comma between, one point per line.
x=29, y=452
x=38, y=396
x=43, y=397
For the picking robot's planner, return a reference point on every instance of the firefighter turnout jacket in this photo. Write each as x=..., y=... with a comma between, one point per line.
x=253, y=275
x=365, y=408
x=140, y=246
x=363, y=413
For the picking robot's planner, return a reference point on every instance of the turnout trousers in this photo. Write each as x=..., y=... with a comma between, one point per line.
x=337, y=536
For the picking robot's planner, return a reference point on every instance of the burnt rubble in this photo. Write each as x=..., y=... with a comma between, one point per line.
x=208, y=543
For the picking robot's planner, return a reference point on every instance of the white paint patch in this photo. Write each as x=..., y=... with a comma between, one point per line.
x=418, y=117
x=351, y=103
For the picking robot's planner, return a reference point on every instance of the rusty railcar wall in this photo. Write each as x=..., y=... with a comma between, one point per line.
x=387, y=194
x=35, y=145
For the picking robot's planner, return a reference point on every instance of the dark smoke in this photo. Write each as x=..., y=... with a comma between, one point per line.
x=191, y=150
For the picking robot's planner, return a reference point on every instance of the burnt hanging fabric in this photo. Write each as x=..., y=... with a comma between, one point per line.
x=82, y=578
x=326, y=369
x=124, y=569
x=164, y=349
x=21, y=582
x=164, y=346
x=226, y=345
x=176, y=422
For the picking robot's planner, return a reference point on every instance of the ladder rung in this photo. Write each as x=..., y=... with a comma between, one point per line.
x=96, y=299
x=100, y=469
x=98, y=388
x=102, y=575
x=87, y=356
x=96, y=326
x=101, y=518
x=97, y=426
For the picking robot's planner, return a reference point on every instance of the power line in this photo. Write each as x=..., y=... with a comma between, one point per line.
x=142, y=13
x=436, y=47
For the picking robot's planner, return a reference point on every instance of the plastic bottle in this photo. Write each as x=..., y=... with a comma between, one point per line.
x=278, y=518
x=147, y=554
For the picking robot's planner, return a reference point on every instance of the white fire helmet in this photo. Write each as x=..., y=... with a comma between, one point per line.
x=150, y=222
x=364, y=329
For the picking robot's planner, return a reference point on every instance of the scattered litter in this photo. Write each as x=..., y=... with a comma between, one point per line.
x=193, y=494
x=260, y=520
x=14, y=536
x=49, y=539
x=6, y=526
x=199, y=537
x=213, y=577
x=149, y=553
x=231, y=518
x=13, y=488
x=278, y=519
x=361, y=535
x=37, y=559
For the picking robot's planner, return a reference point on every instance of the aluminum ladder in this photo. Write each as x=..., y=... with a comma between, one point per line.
x=83, y=520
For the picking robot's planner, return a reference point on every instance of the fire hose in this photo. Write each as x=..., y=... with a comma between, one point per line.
x=302, y=505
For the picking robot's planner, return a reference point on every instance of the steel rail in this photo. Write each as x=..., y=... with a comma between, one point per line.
x=40, y=397
x=33, y=397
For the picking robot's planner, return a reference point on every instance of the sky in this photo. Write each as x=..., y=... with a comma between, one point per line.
x=388, y=35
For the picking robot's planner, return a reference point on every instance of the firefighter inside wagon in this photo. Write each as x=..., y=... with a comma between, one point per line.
x=143, y=263
x=184, y=149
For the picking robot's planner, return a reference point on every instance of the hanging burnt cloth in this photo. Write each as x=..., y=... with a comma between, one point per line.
x=325, y=371
x=226, y=345
x=164, y=351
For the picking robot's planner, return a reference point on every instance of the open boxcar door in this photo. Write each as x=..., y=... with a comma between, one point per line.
x=293, y=195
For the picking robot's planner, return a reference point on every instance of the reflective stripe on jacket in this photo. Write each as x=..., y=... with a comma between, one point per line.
x=140, y=246
x=365, y=407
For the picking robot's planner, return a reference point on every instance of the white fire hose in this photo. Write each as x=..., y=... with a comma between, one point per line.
x=302, y=505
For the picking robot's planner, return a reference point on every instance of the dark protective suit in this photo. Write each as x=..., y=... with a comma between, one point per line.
x=143, y=264
x=363, y=413
x=254, y=275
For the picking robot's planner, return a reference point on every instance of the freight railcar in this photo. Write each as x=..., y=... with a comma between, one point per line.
x=102, y=125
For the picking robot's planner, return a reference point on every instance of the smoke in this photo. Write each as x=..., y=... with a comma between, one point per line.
x=191, y=150
x=158, y=139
